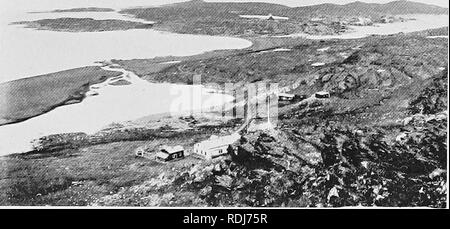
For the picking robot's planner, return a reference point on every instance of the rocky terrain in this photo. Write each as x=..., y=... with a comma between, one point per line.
x=380, y=140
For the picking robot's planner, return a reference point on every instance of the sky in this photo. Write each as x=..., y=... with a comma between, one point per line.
x=54, y=4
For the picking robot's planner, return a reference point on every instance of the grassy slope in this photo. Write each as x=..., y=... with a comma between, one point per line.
x=80, y=176
x=25, y=98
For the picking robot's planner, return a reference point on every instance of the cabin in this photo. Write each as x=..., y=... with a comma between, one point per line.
x=142, y=152
x=322, y=95
x=285, y=97
x=168, y=153
x=215, y=146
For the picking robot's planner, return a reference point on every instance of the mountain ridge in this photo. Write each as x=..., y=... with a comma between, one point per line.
x=357, y=7
x=371, y=9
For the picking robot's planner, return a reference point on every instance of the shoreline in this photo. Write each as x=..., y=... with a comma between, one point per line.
x=13, y=104
x=258, y=44
x=353, y=122
x=104, y=88
x=161, y=63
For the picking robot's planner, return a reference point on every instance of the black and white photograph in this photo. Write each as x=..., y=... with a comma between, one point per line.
x=207, y=104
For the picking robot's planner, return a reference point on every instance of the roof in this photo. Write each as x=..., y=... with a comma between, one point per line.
x=162, y=155
x=286, y=95
x=216, y=142
x=317, y=64
x=322, y=93
x=171, y=150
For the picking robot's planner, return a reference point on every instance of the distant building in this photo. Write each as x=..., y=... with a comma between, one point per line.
x=322, y=95
x=387, y=19
x=361, y=21
x=141, y=152
x=215, y=146
x=170, y=153
x=285, y=97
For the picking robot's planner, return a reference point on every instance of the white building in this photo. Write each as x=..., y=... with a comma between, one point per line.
x=286, y=97
x=215, y=146
x=322, y=95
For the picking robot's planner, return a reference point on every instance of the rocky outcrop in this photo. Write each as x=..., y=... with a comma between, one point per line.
x=433, y=98
x=381, y=65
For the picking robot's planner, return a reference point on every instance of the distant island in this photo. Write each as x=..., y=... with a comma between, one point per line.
x=83, y=25
x=84, y=9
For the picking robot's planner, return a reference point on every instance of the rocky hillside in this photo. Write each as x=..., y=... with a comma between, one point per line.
x=319, y=164
x=347, y=68
x=380, y=141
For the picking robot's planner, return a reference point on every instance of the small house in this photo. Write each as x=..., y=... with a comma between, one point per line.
x=215, y=146
x=141, y=152
x=168, y=153
x=322, y=95
x=285, y=97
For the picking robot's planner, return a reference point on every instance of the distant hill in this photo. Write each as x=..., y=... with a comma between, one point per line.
x=197, y=8
x=367, y=9
x=75, y=10
x=88, y=9
x=223, y=18
x=231, y=6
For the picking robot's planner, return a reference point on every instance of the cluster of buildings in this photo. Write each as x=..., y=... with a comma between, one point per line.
x=215, y=146
x=208, y=149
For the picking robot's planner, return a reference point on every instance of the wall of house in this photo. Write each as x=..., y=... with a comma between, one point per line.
x=210, y=153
